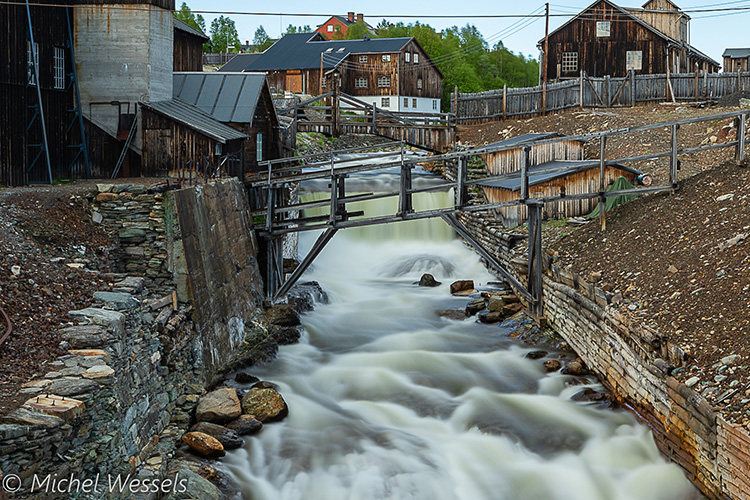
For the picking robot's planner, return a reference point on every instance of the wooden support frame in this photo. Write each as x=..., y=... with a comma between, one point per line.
x=317, y=247
x=535, y=263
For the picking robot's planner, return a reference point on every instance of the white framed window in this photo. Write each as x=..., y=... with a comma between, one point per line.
x=634, y=60
x=30, y=75
x=416, y=58
x=406, y=57
x=419, y=83
x=406, y=102
x=218, y=149
x=434, y=104
x=602, y=28
x=363, y=59
x=360, y=82
x=385, y=102
x=569, y=61
x=330, y=28
x=414, y=103
x=323, y=82
x=384, y=81
x=59, y=68
x=259, y=147
x=386, y=57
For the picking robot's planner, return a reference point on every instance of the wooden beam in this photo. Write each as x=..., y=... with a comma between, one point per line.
x=674, y=162
x=317, y=247
x=740, y=151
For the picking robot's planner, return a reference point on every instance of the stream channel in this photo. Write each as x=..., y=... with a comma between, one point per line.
x=387, y=400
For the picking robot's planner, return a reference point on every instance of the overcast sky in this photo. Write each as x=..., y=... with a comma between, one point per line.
x=710, y=32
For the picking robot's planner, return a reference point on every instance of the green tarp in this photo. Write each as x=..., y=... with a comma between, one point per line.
x=620, y=184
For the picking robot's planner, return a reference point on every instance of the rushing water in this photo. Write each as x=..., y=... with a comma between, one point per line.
x=390, y=401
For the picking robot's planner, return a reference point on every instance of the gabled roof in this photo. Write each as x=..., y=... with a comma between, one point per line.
x=345, y=21
x=228, y=97
x=179, y=25
x=545, y=172
x=309, y=50
x=737, y=53
x=238, y=63
x=182, y=112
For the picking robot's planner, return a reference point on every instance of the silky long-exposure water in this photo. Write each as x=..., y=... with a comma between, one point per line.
x=387, y=400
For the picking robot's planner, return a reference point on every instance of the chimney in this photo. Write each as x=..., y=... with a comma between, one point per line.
x=247, y=42
x=360, y=17
x=350, y=17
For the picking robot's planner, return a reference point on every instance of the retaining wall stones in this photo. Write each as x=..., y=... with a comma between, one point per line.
x=635, y=360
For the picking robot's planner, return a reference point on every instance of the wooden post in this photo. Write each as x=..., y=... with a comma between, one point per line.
x=544, y=98
x=580, y=90
x=462, y=194
x=455, y=100
x=534, y=280
x=738, y=80
x=602, y=198
x=525, y=173
x=608, y=90
x=374, y=121
x=740, y=154
x=546, y=44
x=669, y=86
x=404, y=196
x=705, y=85
x=336, y=105
x=633, y=93
x=673, y=162
x=505, y=101
x=696, y=82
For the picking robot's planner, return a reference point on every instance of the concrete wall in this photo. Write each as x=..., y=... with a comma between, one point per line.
x=635, y=360
x=123, y=53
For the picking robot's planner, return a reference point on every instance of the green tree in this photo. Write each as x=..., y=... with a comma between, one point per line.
x=186, y=16
x=291, y=29
x=261, y=40
x=357, y=31
x=224, y=34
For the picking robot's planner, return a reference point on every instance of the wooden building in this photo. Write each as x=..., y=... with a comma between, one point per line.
x=180, y=137
x=240, y=100
x=553, y=169
x=188, y=47
x=22, y=158
x=392, y=73
x=607, y=40
x=736, y=60
x=335, y=27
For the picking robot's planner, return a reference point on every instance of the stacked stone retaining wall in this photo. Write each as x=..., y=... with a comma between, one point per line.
x=635, y=360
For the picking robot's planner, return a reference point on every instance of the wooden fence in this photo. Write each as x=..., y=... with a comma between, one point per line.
x=586, y=91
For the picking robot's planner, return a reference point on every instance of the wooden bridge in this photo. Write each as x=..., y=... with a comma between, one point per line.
x=337, y=113
x=281, y=217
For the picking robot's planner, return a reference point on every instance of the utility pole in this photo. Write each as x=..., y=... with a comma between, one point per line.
x=546, y=43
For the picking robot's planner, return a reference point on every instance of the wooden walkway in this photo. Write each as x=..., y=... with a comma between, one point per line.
x=336, y=113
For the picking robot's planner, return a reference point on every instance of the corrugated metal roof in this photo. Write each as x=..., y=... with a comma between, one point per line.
x=228, y=97
x=193, y=117
x=737, y=53
x=300, y=51
x=545, y=172
x=189, y=29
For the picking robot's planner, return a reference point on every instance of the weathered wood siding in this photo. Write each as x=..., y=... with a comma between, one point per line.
x=105, y=150
x=425, y=70
x=599, y=56
x=188, y=52
x=373, y=68
x=579, y=183
x=265, y=123
x=733, y=65
x=665, y=17
x=50, y=31
x=511, y=160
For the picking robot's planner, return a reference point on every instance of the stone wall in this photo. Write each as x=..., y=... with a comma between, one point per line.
x=635, y=360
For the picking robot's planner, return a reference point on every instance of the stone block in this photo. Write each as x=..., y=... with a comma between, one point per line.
x=88, y=353
x=71, y=386
x=112, y=319
x=118, y=301
x=57, y=406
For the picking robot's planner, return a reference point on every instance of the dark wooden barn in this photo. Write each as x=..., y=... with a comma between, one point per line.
x=188, y=47
x=608, y=40
x=22, y=135
x=179, y=138
x=736, y=60
x=242, y=101
x=554, y=168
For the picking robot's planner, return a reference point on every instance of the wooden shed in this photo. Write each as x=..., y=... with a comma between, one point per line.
x=736, y=60
x=179, y=137
x=554, y=169
x=188, y=47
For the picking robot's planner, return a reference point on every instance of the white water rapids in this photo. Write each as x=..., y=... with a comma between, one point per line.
x=389, y=401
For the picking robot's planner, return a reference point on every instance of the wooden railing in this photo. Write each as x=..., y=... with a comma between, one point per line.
x=588, y=91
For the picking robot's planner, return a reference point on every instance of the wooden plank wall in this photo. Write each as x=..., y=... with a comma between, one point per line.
x=503, y=162
x=596, y=93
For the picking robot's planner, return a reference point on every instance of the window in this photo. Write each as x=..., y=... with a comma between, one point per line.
x=384, y=81
x=386, y=57
x=323, y=82
x=419, y=83
x=602, y=28
x=416, y=58
x=363, y=59
x=259, y=147
x=569, y=61
x=341, y=49
x=434, y=104
x=406, y=102
x=406, y=57
x=337, y=27
x=360, y=83
x=30, y=75
x=414, y=103
x=330, y=28
x=385, y=102
x=329, y=49
x=634, y=60
x=218, y=149
x=59, y=68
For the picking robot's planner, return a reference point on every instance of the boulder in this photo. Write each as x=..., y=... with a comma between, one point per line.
x=228, y=438
x=536, y=354
x=552, y=365
x=219, y=406
x=245, y=424
x=575, y=368
x=204, y=445
x=428, y=280
x=245, y=378
x=462, y=286
x=264, y=403
x=118, y=301
x=283, y=315
x=194, y=487
x=457, y=314
x=474, y=307
x=511, y=309
x=491, y=317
